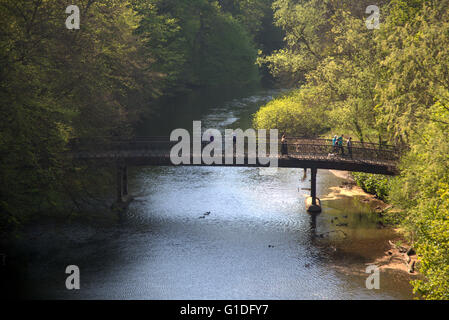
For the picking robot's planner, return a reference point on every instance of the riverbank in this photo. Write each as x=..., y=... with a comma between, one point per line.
x=399, y=256
x=349, y=188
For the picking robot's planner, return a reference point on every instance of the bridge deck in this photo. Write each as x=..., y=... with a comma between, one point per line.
x=302, y=153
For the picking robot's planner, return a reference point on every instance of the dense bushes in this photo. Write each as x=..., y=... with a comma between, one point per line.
x=299, y=113
x=57, y=84
x=422, y=191
x=202, y=43
x=375, y=184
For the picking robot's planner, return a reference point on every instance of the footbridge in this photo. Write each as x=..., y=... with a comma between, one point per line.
x=297, y=152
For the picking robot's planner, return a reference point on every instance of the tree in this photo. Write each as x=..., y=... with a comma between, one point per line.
x=298, y=113
x=57, y=84
x=198, y=44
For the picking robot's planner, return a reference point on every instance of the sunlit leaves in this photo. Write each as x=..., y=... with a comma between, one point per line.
x=297, y=114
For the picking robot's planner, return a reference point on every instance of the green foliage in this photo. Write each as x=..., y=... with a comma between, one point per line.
x=293, y=114
x=196, y=44
x=374, y=184
x=422, y=192
x=432, y=234
x=249, y=12
x=332, y=51
x=56, y=84
x=416, y=60
x=227, y=55
x=257, y=18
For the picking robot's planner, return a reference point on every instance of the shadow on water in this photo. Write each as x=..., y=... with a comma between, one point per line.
x=179, y=111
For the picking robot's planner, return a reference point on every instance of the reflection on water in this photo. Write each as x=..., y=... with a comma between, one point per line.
x=215, y=233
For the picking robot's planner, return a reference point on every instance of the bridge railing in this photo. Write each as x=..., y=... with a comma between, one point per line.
x=297, y=147
x=328, y=152
x=290, y=139
x=355, y=144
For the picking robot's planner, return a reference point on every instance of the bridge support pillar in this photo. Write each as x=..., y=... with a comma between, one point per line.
x=122, y=184
x=313, y=204
x=313, y=185
x=123, y=199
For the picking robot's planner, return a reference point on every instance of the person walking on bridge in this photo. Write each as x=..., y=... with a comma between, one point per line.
x=284, y=147
x=340, y=144
x=349, y=145
x=334, y=144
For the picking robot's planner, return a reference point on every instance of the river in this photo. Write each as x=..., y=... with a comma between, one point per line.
x=257, y=242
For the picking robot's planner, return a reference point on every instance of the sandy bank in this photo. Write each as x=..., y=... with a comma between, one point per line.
x=399, y=256
x=349, y=188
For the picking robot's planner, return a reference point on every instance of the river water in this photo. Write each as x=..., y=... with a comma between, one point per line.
x=256, y=242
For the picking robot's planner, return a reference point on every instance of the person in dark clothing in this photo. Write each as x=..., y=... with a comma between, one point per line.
x=284, y=148
x=340, y=145
x=349, y=145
